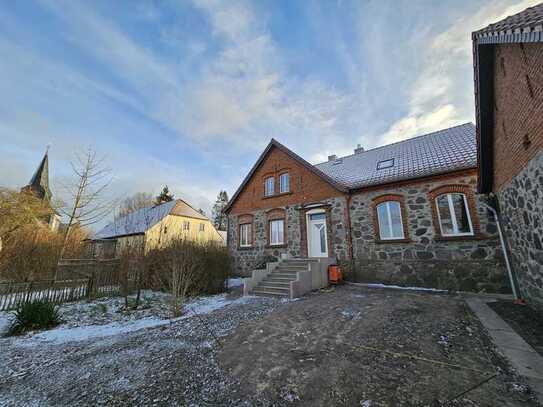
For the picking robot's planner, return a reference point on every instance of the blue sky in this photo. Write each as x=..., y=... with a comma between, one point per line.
x=187, y=93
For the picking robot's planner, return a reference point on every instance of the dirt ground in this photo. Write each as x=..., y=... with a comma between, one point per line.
x=344, y=347
x=524, y=320
x=349, y=347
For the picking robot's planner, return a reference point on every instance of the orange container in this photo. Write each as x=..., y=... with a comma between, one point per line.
x=335, y=276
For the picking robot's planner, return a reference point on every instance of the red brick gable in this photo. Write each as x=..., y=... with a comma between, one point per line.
x=306, y=185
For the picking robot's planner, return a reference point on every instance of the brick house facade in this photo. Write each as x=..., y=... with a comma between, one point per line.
x=326, y=211
x=508, y=57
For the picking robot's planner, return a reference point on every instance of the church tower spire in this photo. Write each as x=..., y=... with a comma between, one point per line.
x=39, y=183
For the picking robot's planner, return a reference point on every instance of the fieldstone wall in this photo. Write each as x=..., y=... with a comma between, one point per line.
x=426, y=259
x=521, y=207
x=245, y=258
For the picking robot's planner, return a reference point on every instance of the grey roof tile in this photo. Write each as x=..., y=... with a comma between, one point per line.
x=435, y=153
x=136, y=222
x=529, y=20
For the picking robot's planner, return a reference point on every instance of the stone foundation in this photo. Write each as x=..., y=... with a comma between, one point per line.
x=470, y=275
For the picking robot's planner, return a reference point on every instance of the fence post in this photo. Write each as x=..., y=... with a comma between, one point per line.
x=28, y=292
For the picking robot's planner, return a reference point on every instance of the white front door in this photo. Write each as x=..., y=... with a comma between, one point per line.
x=316, y=234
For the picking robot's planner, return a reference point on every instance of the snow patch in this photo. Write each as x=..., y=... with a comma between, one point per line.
x=397, y=287
x=61, y=335
x=235, y=282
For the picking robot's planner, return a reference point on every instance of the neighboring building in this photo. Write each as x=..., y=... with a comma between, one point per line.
x=154, y=227
x=508, y=63
x=404, y=213
x=39, y=186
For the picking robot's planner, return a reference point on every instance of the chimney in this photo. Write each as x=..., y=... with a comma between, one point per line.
x=332, y=157
x=359, y=149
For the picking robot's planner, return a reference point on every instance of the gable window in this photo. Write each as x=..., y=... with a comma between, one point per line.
x=269, y=184
x=186, y=225
x=284, y=183
x=389, y=217
x=245, y=235
x=381, y=165
x=202, y=227
x=453, y=215
x=277, y=231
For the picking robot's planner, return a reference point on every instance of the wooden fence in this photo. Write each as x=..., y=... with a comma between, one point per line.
x=76, y=280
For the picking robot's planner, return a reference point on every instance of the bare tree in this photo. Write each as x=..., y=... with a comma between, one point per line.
x=133, y=203
x=87, y=205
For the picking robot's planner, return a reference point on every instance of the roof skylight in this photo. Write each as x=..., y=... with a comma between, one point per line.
x=381, y=165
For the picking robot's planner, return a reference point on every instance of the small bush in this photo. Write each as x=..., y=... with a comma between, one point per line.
x=35, y=315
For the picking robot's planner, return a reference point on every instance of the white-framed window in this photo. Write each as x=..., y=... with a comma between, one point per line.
x=453, y=215
x=245, y=231
x=277, y=231
x=389, y=216
x=269, y=184
x=202, y=227
x=186, y=225
x=284, y=183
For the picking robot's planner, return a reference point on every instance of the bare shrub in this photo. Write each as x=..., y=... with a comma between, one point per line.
x=186, y=268
x=33, y=251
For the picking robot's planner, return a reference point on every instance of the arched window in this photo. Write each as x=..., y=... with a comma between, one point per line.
x=390, y=222
x=389, y=218
x=453, y=214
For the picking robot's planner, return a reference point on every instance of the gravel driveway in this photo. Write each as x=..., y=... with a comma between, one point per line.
x=343, y=347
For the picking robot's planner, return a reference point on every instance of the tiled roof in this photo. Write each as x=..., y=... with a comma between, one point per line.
x=139, y=221
x=435, y=153
x=136, y=222
x=527, y=21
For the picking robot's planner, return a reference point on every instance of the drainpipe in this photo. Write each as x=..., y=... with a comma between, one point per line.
x=349, y=231
x=504, y=249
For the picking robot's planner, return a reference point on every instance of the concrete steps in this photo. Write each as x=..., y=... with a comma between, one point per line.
x=277, y=283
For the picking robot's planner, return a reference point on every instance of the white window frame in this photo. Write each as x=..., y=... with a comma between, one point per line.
x=281, y=235
x=282, y=187
x=269, y=186
x=248, y=227
x=453, y=215
x=389, y=221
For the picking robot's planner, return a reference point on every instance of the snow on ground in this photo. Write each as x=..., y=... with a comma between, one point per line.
x=64, y=334
x=235, y=282
x=5, y=322
x=397, y=287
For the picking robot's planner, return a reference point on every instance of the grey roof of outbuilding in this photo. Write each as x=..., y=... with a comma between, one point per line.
x=143, y=219
x=529, y=21
x=431, y=154
x=136, y=222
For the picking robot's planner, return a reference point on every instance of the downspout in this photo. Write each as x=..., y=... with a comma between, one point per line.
x=504, y=249
x=349, y=230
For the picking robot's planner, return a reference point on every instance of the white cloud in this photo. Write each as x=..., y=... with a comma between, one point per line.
x=439, y=96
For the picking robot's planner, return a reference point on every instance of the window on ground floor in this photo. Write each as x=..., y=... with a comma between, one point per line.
x=277, y=231
x=202, y=227
x=245, y=235
x=453, y=215
x=389, y=216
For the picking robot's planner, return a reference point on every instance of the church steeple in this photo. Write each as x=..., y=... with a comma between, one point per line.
x=39, y=183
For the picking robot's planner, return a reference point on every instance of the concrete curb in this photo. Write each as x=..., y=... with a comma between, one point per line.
x=522, y=356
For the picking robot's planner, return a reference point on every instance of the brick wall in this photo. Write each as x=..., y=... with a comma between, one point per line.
x=305, y=185
x=518, y=110
x=518, y=160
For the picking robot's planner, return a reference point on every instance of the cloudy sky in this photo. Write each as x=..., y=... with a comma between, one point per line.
x=187, y=93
